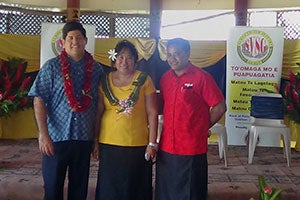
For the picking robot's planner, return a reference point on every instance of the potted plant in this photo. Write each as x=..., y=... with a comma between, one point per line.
x=291, y=99
x=14, y=86
x=266, y=192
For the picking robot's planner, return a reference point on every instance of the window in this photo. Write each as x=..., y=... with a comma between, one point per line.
x=216, y=24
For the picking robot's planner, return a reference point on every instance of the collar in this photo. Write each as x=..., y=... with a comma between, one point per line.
x=188, y=70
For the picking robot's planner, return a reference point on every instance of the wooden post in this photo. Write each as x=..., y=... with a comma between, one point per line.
x=155, y=18
x=73, y=10
x=112, y=26
x=240, y=8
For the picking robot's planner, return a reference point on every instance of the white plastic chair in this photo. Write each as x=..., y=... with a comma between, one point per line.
x=220, y=130
x=159, y=127
x=269, y=126
x=266, y=117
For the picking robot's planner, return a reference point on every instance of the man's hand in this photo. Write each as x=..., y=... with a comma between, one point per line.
x=46, y=145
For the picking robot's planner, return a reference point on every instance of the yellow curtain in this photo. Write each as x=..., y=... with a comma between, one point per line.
x=291, y=56
x=21, y=46
x=145, y=48
x=203, y=53
x=19, y=125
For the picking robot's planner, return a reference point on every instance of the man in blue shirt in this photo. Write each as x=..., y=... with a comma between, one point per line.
x=65, y=95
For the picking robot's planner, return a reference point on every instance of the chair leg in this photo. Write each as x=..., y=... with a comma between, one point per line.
x=253, y=135
x=287, y=146
x=222, y=147
x=252, y=143
x=224, y=139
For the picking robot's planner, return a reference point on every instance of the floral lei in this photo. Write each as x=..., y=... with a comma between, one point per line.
x=75, y=105
x=127, y=104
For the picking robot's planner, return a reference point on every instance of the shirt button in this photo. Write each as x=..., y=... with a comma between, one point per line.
x=75, y=118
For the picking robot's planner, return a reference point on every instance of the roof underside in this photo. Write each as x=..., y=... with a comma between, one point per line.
x=143, y=6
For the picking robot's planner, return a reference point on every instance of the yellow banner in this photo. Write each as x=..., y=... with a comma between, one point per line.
x=254, y=65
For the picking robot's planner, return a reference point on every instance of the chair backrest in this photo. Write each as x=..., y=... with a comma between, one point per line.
x=267, y=106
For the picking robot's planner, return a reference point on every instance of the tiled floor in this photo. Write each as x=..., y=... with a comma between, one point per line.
x=20, y=172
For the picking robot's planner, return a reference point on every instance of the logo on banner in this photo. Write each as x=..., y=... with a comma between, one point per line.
x=255, y=47
x=56, y=42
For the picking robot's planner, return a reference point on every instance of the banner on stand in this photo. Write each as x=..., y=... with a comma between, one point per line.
x=254, y=63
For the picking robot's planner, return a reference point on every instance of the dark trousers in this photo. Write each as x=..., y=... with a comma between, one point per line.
x=71, y=156
x=181, y=177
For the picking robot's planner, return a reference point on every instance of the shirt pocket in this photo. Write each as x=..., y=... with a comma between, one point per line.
x=189, y=96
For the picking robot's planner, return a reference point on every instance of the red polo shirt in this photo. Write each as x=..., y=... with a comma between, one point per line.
x=187, y=100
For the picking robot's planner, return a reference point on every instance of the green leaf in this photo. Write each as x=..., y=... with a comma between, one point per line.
x=276, y=194
x=262, y=182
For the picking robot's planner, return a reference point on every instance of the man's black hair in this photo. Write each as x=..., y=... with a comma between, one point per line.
x=183, y=43
x=71, y=26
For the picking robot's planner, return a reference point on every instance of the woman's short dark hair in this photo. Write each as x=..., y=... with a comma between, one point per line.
x=125, y=44
x=182, y=43
x=71, y=26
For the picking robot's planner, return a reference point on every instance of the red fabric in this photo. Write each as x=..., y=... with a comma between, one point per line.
x=187, y=100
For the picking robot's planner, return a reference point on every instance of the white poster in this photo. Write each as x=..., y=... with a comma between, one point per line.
x=254, y=63
x=51, y=36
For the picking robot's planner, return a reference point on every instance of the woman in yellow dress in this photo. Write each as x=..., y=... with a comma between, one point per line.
x=128, y=129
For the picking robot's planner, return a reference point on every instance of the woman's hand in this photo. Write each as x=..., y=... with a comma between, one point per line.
x=95, y=152
x=151, y=151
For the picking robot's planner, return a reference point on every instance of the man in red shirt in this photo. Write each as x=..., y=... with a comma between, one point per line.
x=192, y=103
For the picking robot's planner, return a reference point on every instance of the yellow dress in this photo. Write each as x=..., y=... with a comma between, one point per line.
x=130, y=127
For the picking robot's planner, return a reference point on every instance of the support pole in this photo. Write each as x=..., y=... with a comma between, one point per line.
x=155, y=18
x=73, y=10
x=241, y=8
